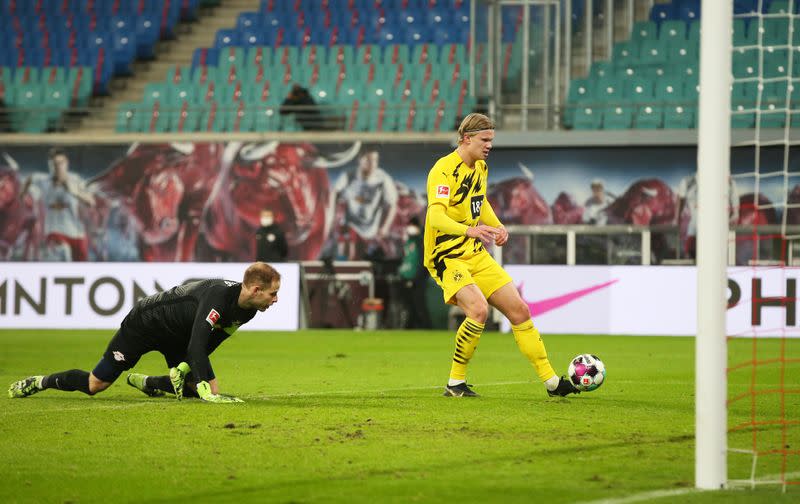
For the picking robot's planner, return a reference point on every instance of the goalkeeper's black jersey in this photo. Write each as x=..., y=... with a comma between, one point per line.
x=195, y=317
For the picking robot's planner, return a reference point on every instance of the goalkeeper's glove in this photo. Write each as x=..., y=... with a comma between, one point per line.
x=204, y=391
x=177, y=376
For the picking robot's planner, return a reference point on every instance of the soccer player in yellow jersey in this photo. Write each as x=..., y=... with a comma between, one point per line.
x=459, y=225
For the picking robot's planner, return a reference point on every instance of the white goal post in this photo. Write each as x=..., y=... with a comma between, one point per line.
x=713, y=170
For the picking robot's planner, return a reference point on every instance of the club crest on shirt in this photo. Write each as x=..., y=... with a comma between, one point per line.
x=212, y=317
x=457, y=276
x=442, y=191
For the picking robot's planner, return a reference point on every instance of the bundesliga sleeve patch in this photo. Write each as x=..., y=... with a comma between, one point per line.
x=212, y=317
x=442, y=191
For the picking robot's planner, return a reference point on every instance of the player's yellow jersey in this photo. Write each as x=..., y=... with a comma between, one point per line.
x=462, y=191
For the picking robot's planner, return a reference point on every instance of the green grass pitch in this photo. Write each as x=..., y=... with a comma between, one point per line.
x=344, y=416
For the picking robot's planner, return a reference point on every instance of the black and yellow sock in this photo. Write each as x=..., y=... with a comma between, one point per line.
x=467, y=337
x=531, y=345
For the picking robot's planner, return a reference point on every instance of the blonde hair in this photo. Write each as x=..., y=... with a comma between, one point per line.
x=472, y=124
x=262, y=274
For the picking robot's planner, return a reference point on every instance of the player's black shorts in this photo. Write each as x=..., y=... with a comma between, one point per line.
x=123, y=352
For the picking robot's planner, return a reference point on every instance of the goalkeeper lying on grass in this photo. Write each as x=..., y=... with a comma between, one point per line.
x=185, y=324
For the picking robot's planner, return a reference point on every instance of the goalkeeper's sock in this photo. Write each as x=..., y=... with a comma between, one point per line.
x=164, y=384
x=68, y=381
x=467, y=337
x=531, y=345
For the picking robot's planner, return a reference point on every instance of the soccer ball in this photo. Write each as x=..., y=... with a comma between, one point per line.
x=587, y=372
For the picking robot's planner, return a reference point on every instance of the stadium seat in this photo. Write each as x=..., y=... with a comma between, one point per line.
x=618, y=118
x=679, y=117
x=742, y=116
x=644, y=30
x=588, y=118
x=649, y=117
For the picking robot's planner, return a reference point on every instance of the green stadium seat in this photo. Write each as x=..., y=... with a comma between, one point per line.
x=625, y=53
x=680, y=52
x=212, y=118
x=56, y=101
x=644, y=30
x=744, y=93
x=672, y=31
x=178, y=74
x=779, y=7
x=776, y=32
x=184, y=92
x=679, y=117
x=693, y=33
x=186, y=119
x=129, y=118
x=653, y=52
x=772, y=115
x=741, y=37
x=639, y=90
x=399, y=53
x=649, y=117
x=349, y=91
x=203, y=75
x=618, y=118
x=238, y=119
x=231, y=55
x=609, y=90
x=51, y=76
x=156, y=92
x=742, y=116
x=669, y=90
x=776, y=63
x=588, y=118
x=745, y=63
x=452, y=54
x=266, y=118
x=263, y=56
x=345, y=54
x=602, y=69
x=422, y=54
x=27, y=75
x=580, y=91
x=80, y=85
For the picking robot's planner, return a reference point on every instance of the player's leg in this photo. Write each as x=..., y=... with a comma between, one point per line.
x=122, y=354
x=459, y=289
x=498, y=287
x=155, y=386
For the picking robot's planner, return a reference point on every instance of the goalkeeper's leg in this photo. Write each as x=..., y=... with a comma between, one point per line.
x=156, y=386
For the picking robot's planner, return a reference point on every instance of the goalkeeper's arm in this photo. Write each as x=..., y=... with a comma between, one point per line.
x=207, y=390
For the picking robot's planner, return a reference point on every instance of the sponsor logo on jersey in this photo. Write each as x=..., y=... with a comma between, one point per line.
x=230, y=283
x=442, y=191
x=212, y=317
x=118, y=356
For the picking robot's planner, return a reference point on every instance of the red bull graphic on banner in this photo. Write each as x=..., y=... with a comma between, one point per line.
x=180, y=202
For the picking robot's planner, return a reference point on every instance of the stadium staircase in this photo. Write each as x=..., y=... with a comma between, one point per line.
x=171, y=54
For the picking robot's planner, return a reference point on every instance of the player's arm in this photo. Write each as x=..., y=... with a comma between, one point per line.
x=197, y=353
x=490, y=218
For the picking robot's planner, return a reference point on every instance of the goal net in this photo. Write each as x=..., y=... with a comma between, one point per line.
x=763, y=336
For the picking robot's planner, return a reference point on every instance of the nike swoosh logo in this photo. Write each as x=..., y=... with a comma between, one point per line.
x=545, y=305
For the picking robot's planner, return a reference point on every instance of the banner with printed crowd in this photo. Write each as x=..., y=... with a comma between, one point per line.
x=170, y=202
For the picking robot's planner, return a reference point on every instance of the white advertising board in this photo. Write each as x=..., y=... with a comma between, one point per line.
x=653, y=300
x=99, y=295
